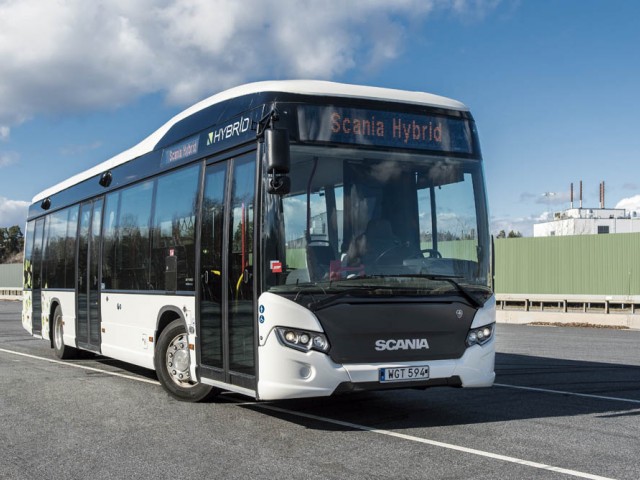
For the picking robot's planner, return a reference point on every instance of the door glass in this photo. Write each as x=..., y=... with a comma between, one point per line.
x=94, y=275
x=36, y=265
x=211, y=267
x=82, y=331
x=241, y=318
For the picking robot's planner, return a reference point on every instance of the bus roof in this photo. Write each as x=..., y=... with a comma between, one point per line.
x=303, y=87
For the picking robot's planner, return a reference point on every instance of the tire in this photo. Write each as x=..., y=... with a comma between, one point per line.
x=172, y=363
x=62, y=351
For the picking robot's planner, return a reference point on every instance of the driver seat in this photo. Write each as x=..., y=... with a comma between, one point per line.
x=378, y=239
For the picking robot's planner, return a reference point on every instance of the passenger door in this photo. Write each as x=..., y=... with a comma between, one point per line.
x=36, y=272
x=88, y=276
x=226, y=310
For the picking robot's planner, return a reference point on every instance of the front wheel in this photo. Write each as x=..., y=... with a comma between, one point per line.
x=61, y=350
x=173, y=360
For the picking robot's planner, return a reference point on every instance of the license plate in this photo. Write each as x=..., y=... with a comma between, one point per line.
x=404, y=374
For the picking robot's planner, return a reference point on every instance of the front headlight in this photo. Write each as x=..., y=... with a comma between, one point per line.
x=303, y=340
x=480, y=336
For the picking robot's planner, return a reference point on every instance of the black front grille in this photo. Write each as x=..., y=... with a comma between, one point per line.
x=392, y=331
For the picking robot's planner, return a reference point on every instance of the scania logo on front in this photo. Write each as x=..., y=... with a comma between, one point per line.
x=402, y=344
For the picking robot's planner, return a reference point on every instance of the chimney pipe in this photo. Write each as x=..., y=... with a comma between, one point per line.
x=571, y=194
x=600, y=194
x=580, y=193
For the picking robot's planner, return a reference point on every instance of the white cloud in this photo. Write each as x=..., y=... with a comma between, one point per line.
x=524, y=225
x=13, y=212
x=8, y=158
x=4, y=132
x=631, y=204
x=79, y=55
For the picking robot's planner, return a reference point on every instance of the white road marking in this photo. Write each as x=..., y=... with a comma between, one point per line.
x=364, y=428
x=562, y=392
x=84, y=367
x=473, y=451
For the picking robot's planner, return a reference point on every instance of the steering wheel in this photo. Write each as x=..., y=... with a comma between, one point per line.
x=384, y=254
x=433, y=253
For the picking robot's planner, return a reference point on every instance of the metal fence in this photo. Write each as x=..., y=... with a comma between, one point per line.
x=11, y=276
x=10, y=281
x=571, y=265
x=591, y=279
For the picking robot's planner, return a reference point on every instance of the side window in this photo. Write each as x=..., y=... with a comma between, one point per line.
x=70, y=248
x=55, y=250
x=28, y=250
x=173, y=253
x=131, y=253
x=36, y=254
x=109, y=240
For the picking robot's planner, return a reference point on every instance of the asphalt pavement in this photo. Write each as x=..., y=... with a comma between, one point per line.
x=566, y=405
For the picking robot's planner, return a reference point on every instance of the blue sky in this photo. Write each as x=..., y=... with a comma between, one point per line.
x=554, y=85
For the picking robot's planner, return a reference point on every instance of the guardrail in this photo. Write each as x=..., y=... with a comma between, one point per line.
x=607, y=310
x=10, y=293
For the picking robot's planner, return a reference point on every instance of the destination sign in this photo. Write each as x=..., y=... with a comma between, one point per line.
x=385, y=129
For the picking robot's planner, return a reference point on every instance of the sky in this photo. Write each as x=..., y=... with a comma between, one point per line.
x=554, y=85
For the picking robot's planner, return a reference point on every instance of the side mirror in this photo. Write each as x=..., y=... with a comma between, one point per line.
x=277, y=159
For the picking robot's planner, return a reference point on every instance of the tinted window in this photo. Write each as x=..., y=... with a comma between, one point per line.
x=70, y=248
x=130, y=257
x=55, y=253
x=173, y=233
x=109, y=235
x=36, y=254
x=28, y=249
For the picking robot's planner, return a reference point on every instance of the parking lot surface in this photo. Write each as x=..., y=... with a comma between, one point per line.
x=566, y=404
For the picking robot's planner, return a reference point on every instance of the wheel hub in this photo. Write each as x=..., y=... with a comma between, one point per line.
x=178, y=361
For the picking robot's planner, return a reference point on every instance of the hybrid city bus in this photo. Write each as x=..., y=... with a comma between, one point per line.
x=279, y=240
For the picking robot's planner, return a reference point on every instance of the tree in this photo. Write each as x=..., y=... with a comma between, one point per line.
x=514, y=234
x=11, y=244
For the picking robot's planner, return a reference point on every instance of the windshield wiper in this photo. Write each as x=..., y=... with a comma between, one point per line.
x=445, y=278
x=452, y=280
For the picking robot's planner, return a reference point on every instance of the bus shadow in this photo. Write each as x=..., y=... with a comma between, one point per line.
x=112, y=365
x=443, y=406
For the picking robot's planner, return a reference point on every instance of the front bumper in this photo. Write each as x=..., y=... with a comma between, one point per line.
x=287, y=373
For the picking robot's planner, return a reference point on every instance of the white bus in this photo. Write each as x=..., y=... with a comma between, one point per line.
x=280, y=240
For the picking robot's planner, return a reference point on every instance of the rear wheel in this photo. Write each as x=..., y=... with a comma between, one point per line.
x=173, y=360
x=61, y=350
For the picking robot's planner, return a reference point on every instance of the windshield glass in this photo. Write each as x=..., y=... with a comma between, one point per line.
x=386, y=222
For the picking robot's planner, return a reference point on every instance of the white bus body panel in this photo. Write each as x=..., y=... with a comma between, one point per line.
x=288, y=373
x=67, y=301
x=129, y=320
x=27, y=311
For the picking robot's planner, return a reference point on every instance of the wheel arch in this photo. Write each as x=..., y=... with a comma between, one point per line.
x=55, y=303
x=166, y=315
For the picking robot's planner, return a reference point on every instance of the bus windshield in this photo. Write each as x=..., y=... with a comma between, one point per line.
x=386, y=222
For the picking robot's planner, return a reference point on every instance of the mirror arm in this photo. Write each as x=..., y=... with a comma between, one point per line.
x=267, y=122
